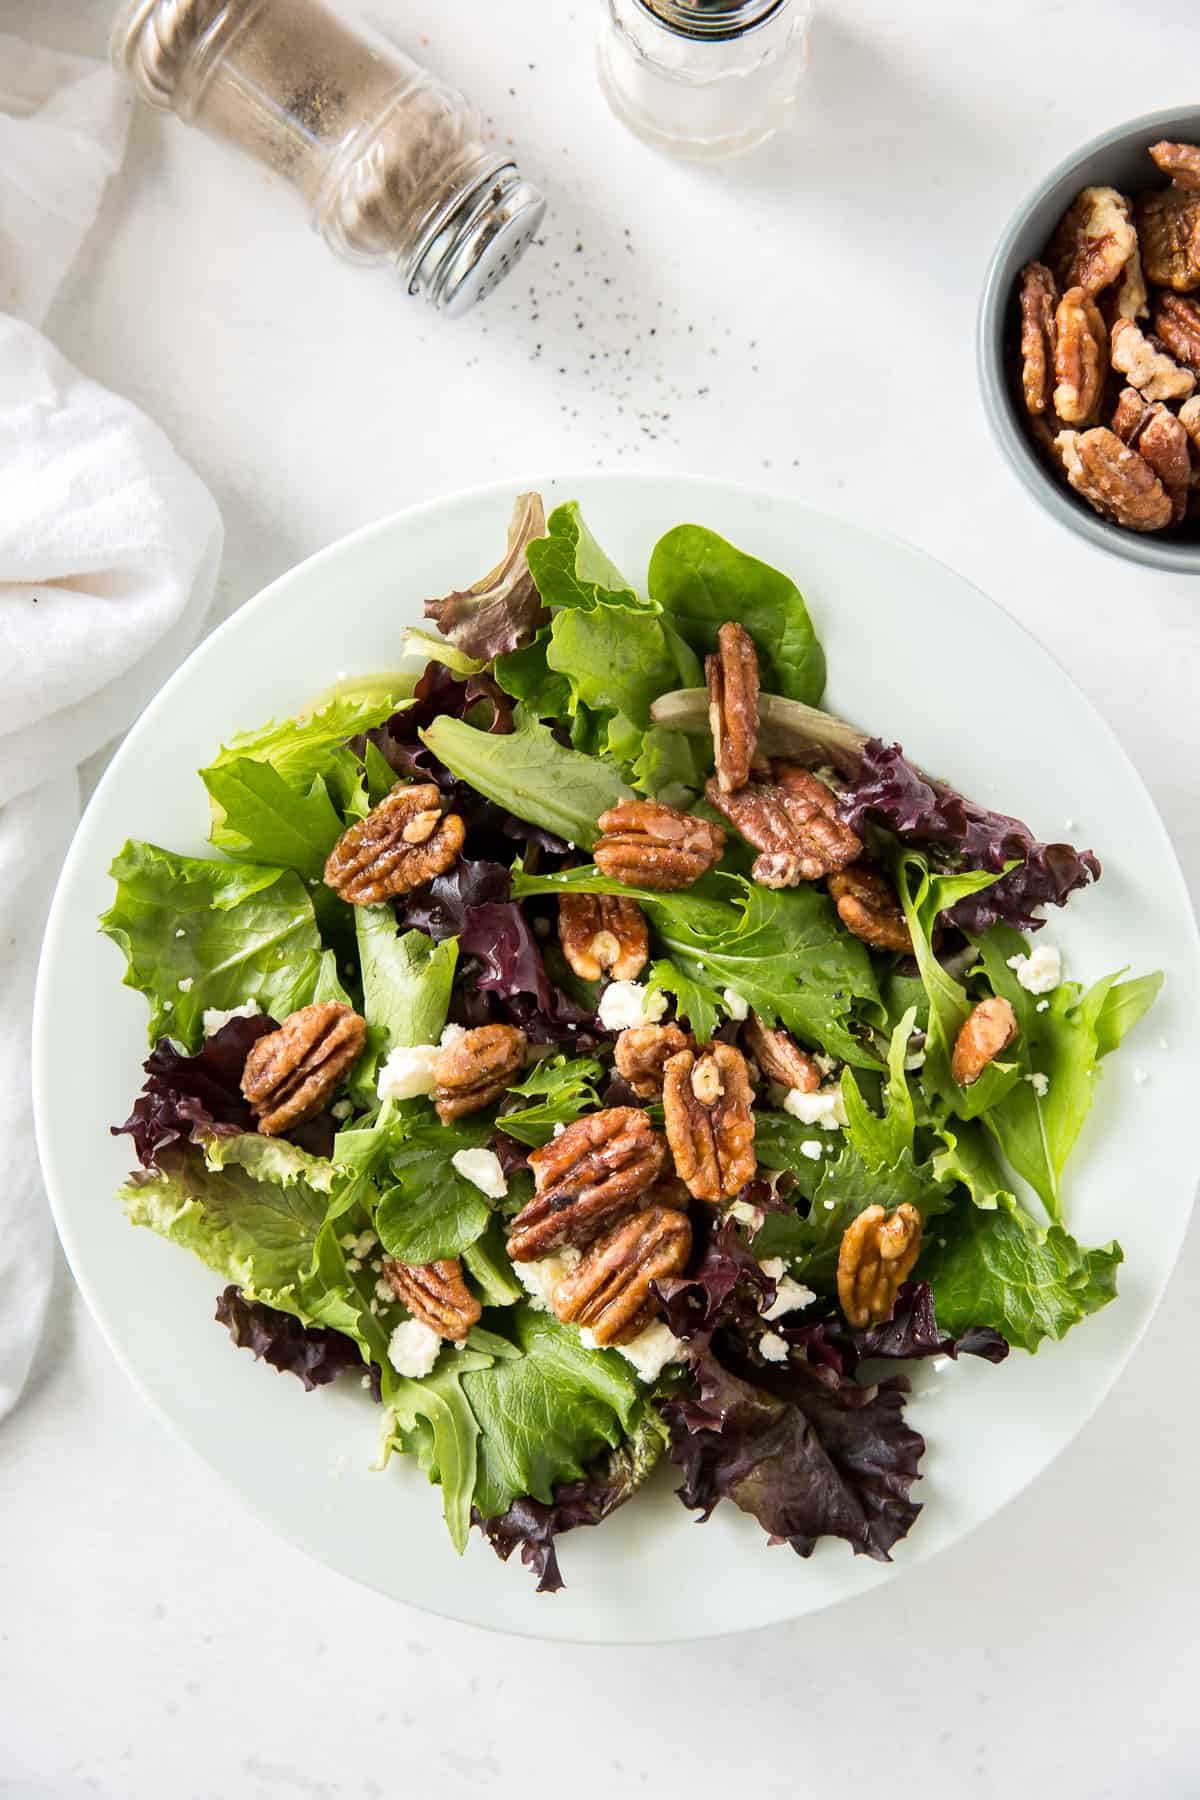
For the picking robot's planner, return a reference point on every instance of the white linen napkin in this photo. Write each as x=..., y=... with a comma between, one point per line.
x=109, y=548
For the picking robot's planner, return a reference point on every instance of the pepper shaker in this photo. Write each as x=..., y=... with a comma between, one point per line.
x=704, y=79
x=388, y=159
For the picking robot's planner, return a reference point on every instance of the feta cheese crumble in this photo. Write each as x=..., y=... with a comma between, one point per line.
x=1039, y=1083
x=812, y=1149
x=790, y=1296
x=750, y=1216
x=824, y=1108
x=413, y=1349
x=649, y=1352
x=482, y=1169
x=1141, y=1076
x=540, y=1278
x=408, y=1072
x=215, y=1018
x=341, y=1109
x=627, y=1003
x=772, y=1347
x=1040, y=971
x=186, y=983
x=735, y=1005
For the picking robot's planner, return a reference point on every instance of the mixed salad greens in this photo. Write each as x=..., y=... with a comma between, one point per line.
x=553, y=691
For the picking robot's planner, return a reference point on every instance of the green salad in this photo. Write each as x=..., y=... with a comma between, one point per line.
x=611, y=1058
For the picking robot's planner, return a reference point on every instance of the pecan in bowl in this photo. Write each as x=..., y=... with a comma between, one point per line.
x=435, y=1294
x=708, y=1105
x=989, y=1029
x=585, y=1180
x=1114, y=480
x=402, y=843
x=603, y=934
x=475, y=1069
x=608, y=1290
x=877, y=1255
x=642, y=1052
x=732, y=676
x=792, y=821
x=867, y=906
x=646, y=844
x=291, y=1073
x=779, y=1056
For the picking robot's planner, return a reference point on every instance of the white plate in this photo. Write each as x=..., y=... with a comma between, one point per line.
x=915, y=653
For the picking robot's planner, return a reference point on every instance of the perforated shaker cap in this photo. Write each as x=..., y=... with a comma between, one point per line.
x=473, y=243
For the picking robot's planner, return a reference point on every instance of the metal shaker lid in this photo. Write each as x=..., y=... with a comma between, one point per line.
x=471, y=245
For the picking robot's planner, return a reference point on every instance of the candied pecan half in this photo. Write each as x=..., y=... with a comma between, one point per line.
x=990, y=1027
x=1080, y=358
x=1154, y=374
x=1094, y=241
x=608, y=1290
x=476, y=1068
x=1180, y=161
x=1113, y=479
x=1161, y=440
x=646, y=844
x=642, y=1052
x=434, y=1293
x=404, y=841
x=1130, y=298
x=779, y=1056
x=876, y=1257
x=1039, y=300
x=733, y=705
x=708, y=1105
x=291, y=1073
x=792, y=820
x=603, y=934
x=1189, y=418
x=592, y=1175
x=867, y=905
x=1176, y=320
x=1169, y=233
x=1130, y=413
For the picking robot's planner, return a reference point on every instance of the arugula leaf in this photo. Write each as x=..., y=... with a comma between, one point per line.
x=999, y=1268
x=694, y=1001
x=880, y=1142
x=487, y=1264
x=846, y=1188
x=783, y=950
x=564, y=1091
x=530, y=774
x=545, y=1415
x=432, y=1211
x=703, y=581
x=1121, y=1007
x=570, y=568
x=406, y=980
x=200, y=934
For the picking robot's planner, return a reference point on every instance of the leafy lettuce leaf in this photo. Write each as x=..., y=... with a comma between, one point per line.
x=312, y=1353
x=618, y=661
x=571, y=570
x=448, y=1444
x=200, y=1094
x=431, y=1211
x=562, y=1091
x=502, y=610
x=702, y=581
x=199, y=934
x=407, y=980
x=531, y=775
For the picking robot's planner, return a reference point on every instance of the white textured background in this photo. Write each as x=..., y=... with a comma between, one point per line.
x=803, y=321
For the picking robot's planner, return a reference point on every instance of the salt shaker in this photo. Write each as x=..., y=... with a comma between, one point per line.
x=704, y=79
x=387, y=158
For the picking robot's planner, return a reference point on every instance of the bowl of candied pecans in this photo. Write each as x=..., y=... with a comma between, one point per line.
x=1089, y=341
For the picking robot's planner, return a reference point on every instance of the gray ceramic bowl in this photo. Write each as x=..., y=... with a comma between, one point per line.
x=1116, y=158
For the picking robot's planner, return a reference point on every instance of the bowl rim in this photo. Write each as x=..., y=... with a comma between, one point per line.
x=1147, y=549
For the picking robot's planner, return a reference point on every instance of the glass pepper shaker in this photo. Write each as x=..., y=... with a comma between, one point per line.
x=388, y=159
x=704, y=79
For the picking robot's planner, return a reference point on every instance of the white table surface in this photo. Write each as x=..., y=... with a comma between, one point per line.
x=802, y=321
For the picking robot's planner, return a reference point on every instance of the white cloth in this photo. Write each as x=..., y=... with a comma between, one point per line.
x=109, y=547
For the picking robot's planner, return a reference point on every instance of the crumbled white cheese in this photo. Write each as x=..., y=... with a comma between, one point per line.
x=214, y=1018
x=362, y=1245
x=482, y=1168
x=772, y=1347
x=1042, y=1006
x=384, y=1290
x=341, y=1109
x=825, y=1064
x=1141, y=1076
x=168, y=1006
x=649, y=1352
x=185, y=984
x=773, y=1266
x=745, y=1214
x=812, y=1149
x=558, y=1129
x=540, y=1278
x=181, y=932
x=916, y=1060
x=1039, y=972
x=824, y=1108
x=1039, y=1083
x=451, y=1035
x=413, y=1349
x=735, y=1005
x=627, y=1003
x=790, y=1296
x=408, y=1072
x=353, y=1265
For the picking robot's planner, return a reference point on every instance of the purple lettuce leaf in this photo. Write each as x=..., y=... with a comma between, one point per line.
x=315, y=1354
x=444, y=905
x=509, y=964
x=183, y=1094
x=889, y=792
x=806, y=1452
x=502, y=611
x=911, y=1332
x=724, y=1286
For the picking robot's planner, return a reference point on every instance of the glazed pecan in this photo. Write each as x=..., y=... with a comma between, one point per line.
x=585, y=1180
x=779, y=1056
x=1130, y=298
x=291, y=1073
x=1080, y=358
x=1176, y=321
x=1114, y=479
x=1189, y=418
x=876, y=1257
x=1181, y=162
x=608, y=1290
x=1161, y=440
x=867, y=905
x=1129, y=414
x=989, y=1029
x=733, y=705
x=603, y=934
x=406, y=840
x=1094, y=241
x=646, y=844
x=710, y=1120
x=642, y=1052
x=1168, y=221
x=476, y=1068
x=1154, y=374
x=434, y=1293
x=792, y=820
x=1039, y=299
